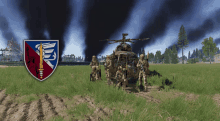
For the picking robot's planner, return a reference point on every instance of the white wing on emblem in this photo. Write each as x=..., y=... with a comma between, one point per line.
x=46, y=45
x=47, y=52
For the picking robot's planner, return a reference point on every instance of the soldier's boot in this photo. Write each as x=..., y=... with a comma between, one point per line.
x=109, y=81
x=125, y=83
x=100, y=75
x=145, y=84
x=92, y=77
x=96, y=76
x=140, y=83
x=118, y=84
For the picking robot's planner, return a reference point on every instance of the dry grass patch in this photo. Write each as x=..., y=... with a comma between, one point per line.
x=216, y=98
x=25, y=98
x=163, y=95
x=3, y=66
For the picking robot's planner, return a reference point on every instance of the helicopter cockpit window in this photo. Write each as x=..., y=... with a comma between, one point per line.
x=123, y=47
x=119, y=48
x=127, y=47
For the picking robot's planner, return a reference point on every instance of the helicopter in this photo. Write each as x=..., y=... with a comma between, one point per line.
x=123, y=40
x=123, y=56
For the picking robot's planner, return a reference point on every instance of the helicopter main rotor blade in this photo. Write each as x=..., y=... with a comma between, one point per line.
x=110, y=40
x=141, y=39
x=104, y=40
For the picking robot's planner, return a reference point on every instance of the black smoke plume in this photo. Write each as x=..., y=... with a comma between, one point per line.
x=170, y=11
x=6, y=30
x=47, y=15
x=8, y=35
x=201, y=31
x=209, y=25
x=103, y=19
x=217, y=41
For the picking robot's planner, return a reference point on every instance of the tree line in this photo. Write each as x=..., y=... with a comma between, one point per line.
x=207, y=52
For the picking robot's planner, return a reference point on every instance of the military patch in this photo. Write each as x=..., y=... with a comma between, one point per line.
x=41, y=57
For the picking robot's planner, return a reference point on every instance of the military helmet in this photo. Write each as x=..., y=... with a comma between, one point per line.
x=93, y=58
x=142, y=56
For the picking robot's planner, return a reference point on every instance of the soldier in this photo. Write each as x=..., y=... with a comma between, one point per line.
x=95, y=68
x=121, y=77
x=143, y=65
x=108, y=68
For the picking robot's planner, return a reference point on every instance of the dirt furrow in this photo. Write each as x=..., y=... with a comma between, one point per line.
x=40, y=116
x=4, y=114
x=150, y=98
x=26, y=111
x=52, y=108
x=47, y=108
x=92, y=105
x=4, y=105
x=11, y=111
x=33, y=111
x=98, y=113
x=18, y=114
x=60, y=105
x=2, y=108
x=2, y=98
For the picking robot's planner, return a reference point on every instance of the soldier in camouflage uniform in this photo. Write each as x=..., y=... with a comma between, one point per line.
x=108, y=68
x=95, y=69
x=121, y=77
x=143, y=65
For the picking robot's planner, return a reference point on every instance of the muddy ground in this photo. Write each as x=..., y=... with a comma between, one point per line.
x=48, y=106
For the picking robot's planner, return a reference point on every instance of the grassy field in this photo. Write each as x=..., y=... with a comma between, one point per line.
x=67, y=81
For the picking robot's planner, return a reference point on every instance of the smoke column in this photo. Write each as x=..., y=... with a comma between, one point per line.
x=211, y=24
x=103, y=20
x=4, y=27
x=170, y=11
x=217, y=41
x=51, y=15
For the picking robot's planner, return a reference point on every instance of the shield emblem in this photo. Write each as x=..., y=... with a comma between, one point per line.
x=41, y=57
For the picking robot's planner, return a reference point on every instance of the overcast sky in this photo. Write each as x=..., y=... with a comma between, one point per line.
x=134, y=25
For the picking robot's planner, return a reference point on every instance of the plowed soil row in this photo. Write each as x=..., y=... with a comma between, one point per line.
x=46, y=107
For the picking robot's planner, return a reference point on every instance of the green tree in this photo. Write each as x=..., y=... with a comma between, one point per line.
x=158, y=57
x=194, y=53
x=217, y=50
x=151, y=57
x=174, y=58
x=197, y=53
x=182, y=40
x=201, y=55
x=189, y=55
x=167, y=56
x=209, y=47
x=170, y=55
x=162, y=58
